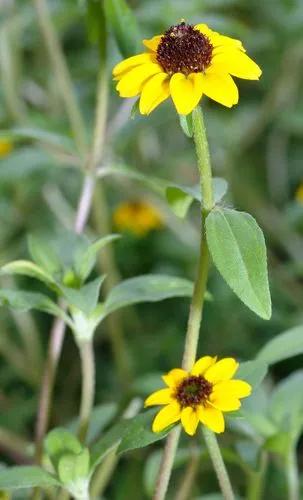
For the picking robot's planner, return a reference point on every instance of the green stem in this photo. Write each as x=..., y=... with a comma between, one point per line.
x=88, y=387
x=196, y=308
x=292, y=475
x=218, y=464
x=256, y=479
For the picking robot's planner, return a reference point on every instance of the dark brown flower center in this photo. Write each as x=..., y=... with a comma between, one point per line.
x=183, y=49
x=193, y=391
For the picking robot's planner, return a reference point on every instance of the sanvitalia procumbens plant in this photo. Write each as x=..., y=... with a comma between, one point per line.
x=232, y=238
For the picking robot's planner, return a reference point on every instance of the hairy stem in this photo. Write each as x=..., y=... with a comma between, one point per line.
x=218, y=464
x=88, y=387
x=196, y=308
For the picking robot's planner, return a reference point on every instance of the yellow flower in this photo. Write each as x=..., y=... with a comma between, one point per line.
x=201, y=395
x=185, y=63
x=6, y=147
x=299, y=194
x=137, y=217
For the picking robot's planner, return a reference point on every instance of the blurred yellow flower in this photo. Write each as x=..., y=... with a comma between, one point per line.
x=201, y=395
x=6, y=147
x=185, y=63
x=299, y=194
x=137, y=217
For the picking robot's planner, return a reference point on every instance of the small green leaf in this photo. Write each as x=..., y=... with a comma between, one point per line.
x=146, y=288
x=14, y=478
x=43, y=254
x=72, y=467
x=186, y=122
x=24, y=301
x=283, y=346
x=128, y=434
x=28, y=268
x=60, y=442
x=238, y=249
x=124, y=26
x=84, y=298
x=44, y=136
x=181, y=197
x=85, y=258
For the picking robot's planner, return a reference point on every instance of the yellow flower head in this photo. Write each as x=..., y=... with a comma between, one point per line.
x=137, y=217
x=299, y=194
x=185, y=63
x=201, y=395
x=6, y=147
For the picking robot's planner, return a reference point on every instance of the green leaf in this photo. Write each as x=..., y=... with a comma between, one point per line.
x=85, y=258
x=44, y=254
x=252, y=372
x=96, y=25
x=84, y=298
x=124, y=26
x=238, y=250
x=146, y=288
x=286, y=404
x=24, y=301
x=38, y=134
x=181, y=197
x=26, y=477
x=101, y=416
x=186, y=122
x=128, y=434
x=28, y=268
x=283, y=346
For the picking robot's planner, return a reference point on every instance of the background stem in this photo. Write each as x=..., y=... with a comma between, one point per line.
x=292, y=475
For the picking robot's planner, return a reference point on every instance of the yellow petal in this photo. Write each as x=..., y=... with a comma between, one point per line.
x=131, y=62
x=155, y=91
x=167, y=416
x=186, y=91
x=222, y=370
x=212, y=418
x=152, y=43
x=232, y=388
x=218, y=40
x=220, y=88
x=225, y=403
x=161, y=397
x=131, y=83
x=237, y=64
x=174, y=377
x=202, y=364
x=189, y=420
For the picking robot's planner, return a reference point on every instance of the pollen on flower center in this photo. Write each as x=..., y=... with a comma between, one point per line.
x=193, y=391
x=184, y=49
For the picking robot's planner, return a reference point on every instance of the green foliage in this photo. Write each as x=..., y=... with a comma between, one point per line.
x=283, y=346
x=16, y=478
x=149, y=288
x=238, y=249
x=127, y=434
x=124, y=26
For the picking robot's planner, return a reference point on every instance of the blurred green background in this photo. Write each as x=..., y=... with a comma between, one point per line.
x=257, y=146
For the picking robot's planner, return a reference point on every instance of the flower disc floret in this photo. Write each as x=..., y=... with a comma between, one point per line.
x=193, y=390
x=184, y=49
